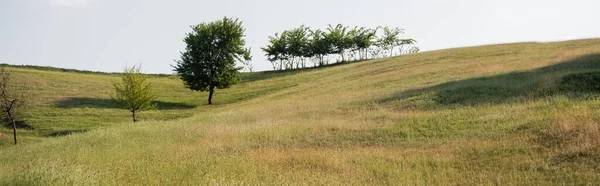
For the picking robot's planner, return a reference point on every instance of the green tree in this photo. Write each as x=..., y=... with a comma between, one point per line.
x=390, y=38
x=297, y=45
x=319, y=46
x=134, y=93
x=406, y=42
x=363, y=39
x=338, y=39
x=276, y=50
x=209, y=59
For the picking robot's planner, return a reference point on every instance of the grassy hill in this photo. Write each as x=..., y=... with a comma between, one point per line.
x=500, y=114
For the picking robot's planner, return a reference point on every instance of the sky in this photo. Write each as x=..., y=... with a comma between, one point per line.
x=107, y=35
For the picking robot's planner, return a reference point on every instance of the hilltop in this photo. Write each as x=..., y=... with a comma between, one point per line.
x=499, y=114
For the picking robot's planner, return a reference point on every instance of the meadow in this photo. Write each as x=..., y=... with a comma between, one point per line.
x=510, y=114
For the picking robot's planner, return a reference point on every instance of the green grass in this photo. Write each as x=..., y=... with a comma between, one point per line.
x=510, y=114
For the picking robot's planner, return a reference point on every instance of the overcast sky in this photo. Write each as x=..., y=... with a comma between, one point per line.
x=106, y=35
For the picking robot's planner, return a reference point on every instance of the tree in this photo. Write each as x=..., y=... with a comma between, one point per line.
x=297, y=45
x=390, y=38
x=319, y=46
x=338, y=39
x=12, y=98
x=413, y=50
x=276, y=50
x=363, y=40
x=248, y=65
x=209, y=59
x=406, y=42
x=134, y=93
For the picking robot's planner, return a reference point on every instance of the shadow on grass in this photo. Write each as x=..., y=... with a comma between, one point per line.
x=63, y=133
x=575, y=78
x=82, y=102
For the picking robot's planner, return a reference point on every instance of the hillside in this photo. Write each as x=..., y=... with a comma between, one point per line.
x=499, y=114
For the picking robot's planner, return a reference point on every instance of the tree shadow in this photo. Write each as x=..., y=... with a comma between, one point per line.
x=20, y=124
x=62, y=133
x=101, y=103
x=577, y=78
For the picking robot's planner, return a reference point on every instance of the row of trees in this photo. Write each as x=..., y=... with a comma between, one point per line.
x=296, y=47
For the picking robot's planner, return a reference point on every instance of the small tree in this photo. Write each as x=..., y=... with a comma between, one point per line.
x=209, y=59
x=363, y=40
x=134, y=93
x=276, y=51
x=390, y=38
x=319, y=46
x=297, y=46
x=408, y=43
x=11, y=99
x=338, y=39
x=248, y=65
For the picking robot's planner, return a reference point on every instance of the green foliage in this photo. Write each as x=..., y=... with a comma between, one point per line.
x=210, y=56
x=339, y=39
x=134, y=93
x=292, y=48
x=363, y=39
x=297, y=45
x=390, y=38
x=319, y=46
x=276, y=51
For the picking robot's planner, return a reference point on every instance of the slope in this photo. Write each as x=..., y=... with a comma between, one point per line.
x=500, y=114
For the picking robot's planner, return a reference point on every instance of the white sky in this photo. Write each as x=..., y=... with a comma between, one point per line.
x=106, y=35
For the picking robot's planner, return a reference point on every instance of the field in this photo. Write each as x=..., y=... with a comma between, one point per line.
x=510, y=114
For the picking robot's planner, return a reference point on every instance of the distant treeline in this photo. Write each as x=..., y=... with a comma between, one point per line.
x=295, y=48
x=56, y=69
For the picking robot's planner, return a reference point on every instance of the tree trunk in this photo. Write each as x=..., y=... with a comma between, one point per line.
x=211, y=90
x=134, y=117
x=392, y=52
x=14, y=125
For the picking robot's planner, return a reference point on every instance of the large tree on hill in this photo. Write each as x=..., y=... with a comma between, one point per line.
x=209, y=60
x=134, y=93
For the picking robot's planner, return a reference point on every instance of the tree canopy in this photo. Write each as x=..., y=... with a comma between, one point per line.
x=209, y=59
x=134, y=93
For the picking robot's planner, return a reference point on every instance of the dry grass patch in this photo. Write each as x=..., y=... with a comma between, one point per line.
x=573, y=131
x=3, y=137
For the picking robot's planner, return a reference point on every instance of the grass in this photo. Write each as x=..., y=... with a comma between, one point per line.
x=511, y=114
